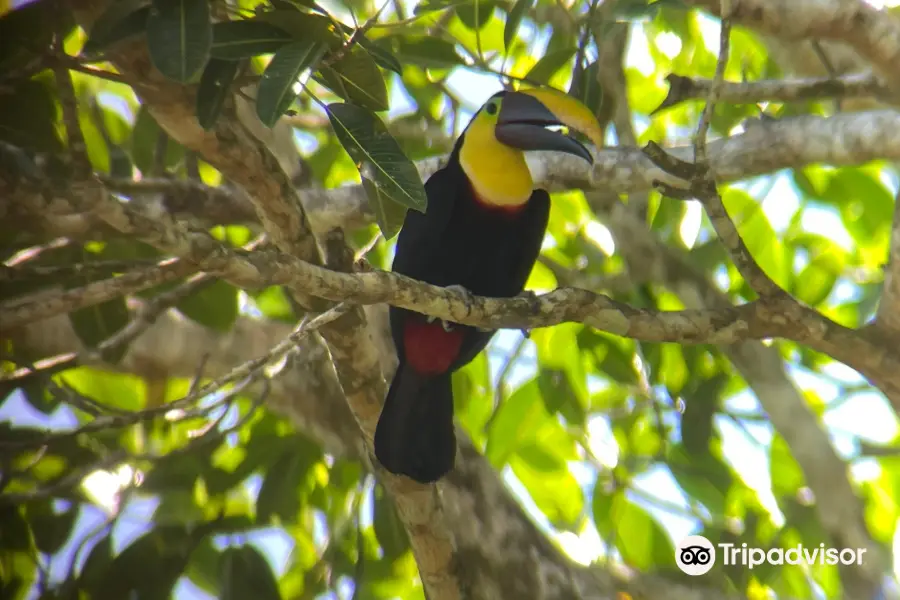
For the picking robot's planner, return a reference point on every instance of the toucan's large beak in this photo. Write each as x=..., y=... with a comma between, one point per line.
x=524, y=116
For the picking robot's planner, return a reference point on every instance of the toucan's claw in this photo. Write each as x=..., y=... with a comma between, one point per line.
x=460, y=290
x=430, y=319
x=446, y=325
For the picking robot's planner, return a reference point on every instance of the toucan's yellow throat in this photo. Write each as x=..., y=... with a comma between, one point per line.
x=492, y=151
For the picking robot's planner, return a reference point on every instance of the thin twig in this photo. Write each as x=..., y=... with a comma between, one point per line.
x=706, y=117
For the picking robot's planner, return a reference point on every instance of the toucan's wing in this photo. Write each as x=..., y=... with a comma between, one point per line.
x=421, y=240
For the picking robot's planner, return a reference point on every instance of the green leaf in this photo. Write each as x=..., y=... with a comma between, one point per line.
x=215, y=306
x=515, y=423
x=94, y=324
x=542, y=459
x=120, y=21
x=28, y=116
x=356, y=78
x=14, y=531
x=304, y=26
x=634, y=10
x=556, y=493
x=179, y=37
x=50, y=529
x=273, y=303
x=428, y=52
x=382, y=57
x=865, y=203
x=179, y=506
x=787, y=476
x=814, y=283
x=699, y=412
x=643, y=543
x=758, y=235
x=203, y=567
x=276, y=88
x=558, y=352
x=389, y=215
x=144, y=139
x=475, y=14
x=378, y=158
x=433, y=5
x=518, y=12
x=245, y=573
x=118, y=390
x=214, y=88
x=588, y=88
x=388, y=529
x=26, y=33
x=149, y=567
x=549, y=65
x=279, y=494
x=95, y=570
x=235, y=40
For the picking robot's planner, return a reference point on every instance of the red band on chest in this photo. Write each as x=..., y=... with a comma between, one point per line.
x=428, y=348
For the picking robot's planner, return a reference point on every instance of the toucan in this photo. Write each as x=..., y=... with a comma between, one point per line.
x=482, y=231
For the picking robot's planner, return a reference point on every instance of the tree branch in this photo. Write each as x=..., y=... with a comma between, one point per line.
x=265, y=268
x=44, y=304
x=855, y=85
x=887, y=319
x=874, y=33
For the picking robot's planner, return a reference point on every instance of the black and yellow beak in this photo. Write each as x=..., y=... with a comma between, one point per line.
x=525, y=115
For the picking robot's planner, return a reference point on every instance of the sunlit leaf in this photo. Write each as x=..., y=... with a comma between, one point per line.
x=276, y=88
x=518, y=12
x=378, y=158
x=640, y=538
x=549, y=65
x=758, y=235
x=356, y=78
x=234, y=40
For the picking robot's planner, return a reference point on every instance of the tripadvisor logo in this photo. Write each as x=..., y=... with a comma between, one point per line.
x=696, y=555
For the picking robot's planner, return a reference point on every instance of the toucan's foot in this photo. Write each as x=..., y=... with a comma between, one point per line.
x=529, y=295
x=445, y=324
x=460, y=290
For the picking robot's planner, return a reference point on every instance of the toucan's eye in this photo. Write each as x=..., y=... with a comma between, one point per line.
x=491, y=108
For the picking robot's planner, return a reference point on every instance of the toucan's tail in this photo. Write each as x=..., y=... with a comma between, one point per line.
x=415, y=434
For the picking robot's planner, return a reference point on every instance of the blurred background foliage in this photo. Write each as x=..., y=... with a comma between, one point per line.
x=616, y=448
